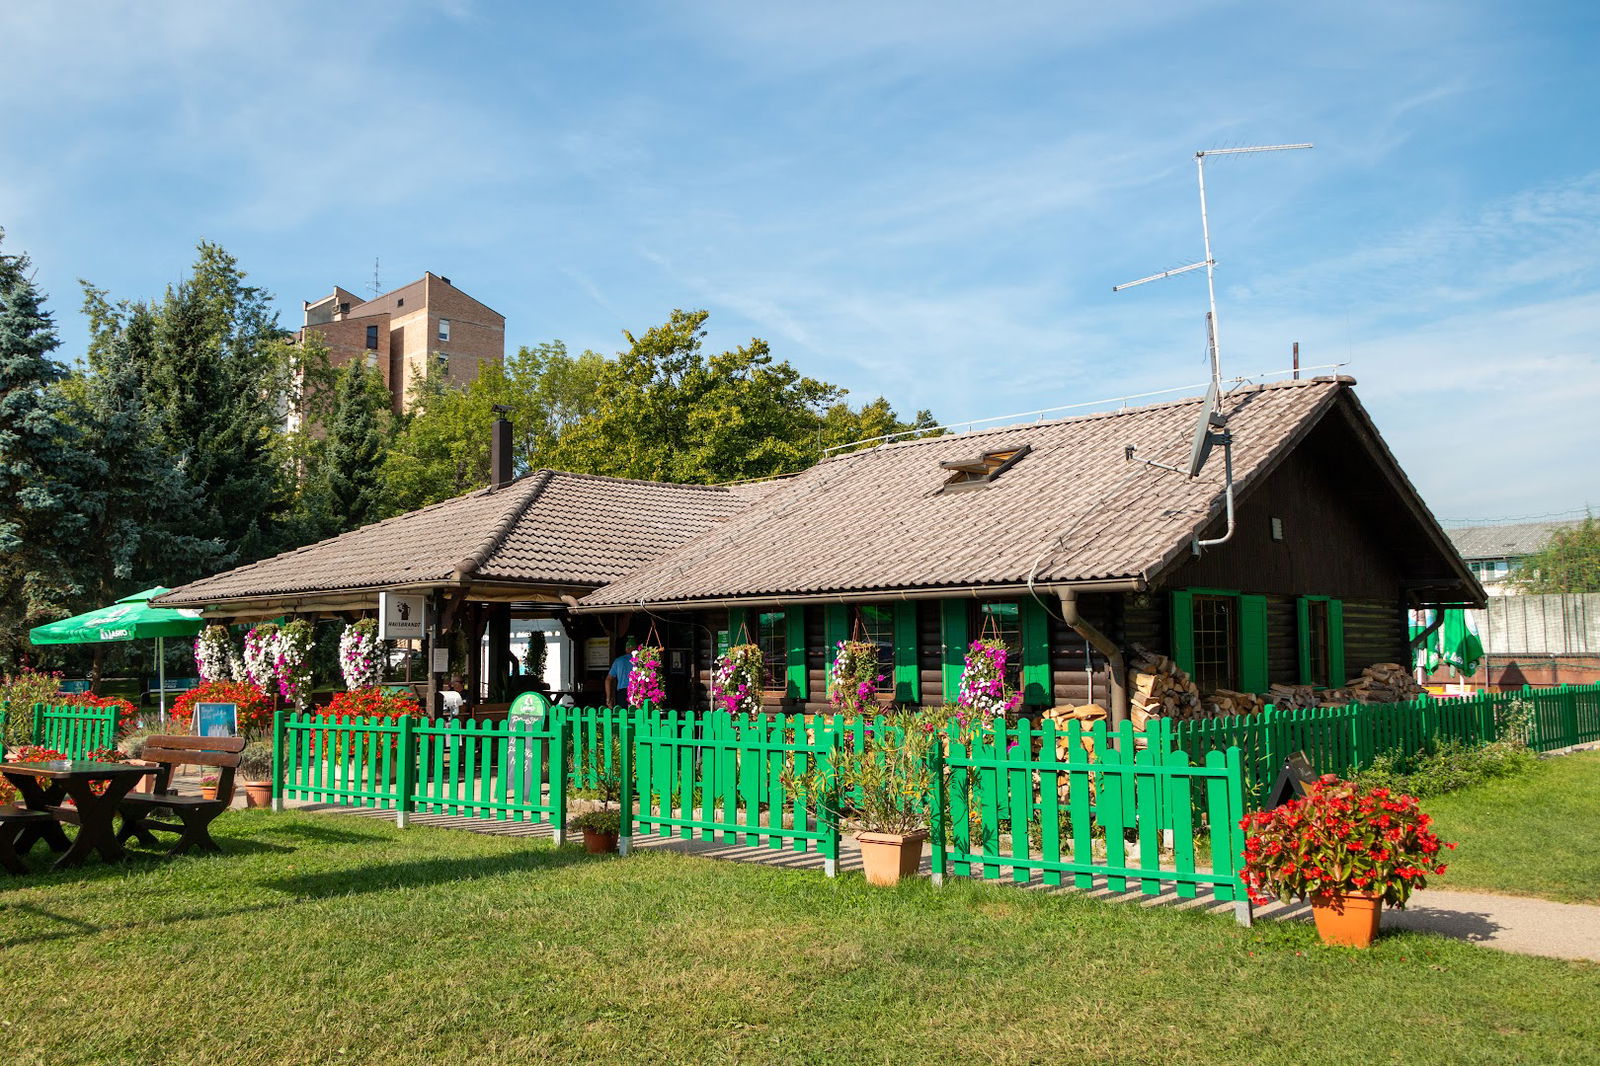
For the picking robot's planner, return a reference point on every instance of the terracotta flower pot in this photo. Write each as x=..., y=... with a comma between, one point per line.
x=208, y=792
x=1347, y=919
x=146, y=783
x=888, y=857
x=598, y=842
x=258, y=793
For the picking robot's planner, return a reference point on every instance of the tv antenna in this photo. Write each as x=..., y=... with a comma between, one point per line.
x=1211, y=428
x=376, y=289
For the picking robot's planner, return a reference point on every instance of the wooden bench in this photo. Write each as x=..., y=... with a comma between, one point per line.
x=13, y=820
x=194, y=814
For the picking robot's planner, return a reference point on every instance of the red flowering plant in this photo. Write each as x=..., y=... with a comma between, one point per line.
x=1341, y=839
x=30, y=753
x=127, y=713
x=255, y=706
x=371, y=702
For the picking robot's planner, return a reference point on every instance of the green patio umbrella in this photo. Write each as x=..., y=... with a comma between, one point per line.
x=130, y=618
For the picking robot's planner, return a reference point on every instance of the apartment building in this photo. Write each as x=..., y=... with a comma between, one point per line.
x=426, y=327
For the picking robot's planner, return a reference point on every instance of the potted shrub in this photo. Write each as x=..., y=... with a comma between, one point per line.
x=600, y=829
x=602, y=826
x=1348, y=849
x=255, y=773
x=880, y=787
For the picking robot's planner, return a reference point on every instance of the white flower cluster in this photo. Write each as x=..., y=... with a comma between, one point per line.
x=361, y=655
x=261, y=656
x=213, y=653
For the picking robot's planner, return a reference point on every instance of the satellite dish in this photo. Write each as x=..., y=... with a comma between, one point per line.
x=1211, y=417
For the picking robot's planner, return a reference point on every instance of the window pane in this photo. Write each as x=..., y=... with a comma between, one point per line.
x=1003, y=621
x=1216, y=643
x=774, y=651
x=1317, y=635
x=444, y=329
x=875, y=625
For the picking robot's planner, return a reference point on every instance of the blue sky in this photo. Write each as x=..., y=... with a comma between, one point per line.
x=928, y=201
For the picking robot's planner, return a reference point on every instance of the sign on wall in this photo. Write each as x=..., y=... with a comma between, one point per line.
x=439, y=662
x=216, y=719
x=597, y=653
x=401, y=616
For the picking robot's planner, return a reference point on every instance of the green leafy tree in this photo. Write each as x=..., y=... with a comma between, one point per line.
x=1569, y=563
x=44, y=467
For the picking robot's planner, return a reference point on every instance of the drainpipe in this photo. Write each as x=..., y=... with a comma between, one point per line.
x=1102, y=644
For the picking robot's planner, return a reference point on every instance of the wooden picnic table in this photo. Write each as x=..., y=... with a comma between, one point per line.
x=45, y=785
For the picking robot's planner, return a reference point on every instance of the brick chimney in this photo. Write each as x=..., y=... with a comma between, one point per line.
x=500, y=448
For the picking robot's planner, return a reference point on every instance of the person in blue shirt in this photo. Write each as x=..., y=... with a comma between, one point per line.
x=617, y=679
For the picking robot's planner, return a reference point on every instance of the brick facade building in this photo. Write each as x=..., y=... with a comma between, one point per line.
x=426, y=327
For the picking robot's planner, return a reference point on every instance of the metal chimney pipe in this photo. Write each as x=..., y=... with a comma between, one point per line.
x=500, y=448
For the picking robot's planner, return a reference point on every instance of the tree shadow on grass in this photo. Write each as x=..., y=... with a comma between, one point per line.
x=324, y=834
x=420, y=872
x=323, y=885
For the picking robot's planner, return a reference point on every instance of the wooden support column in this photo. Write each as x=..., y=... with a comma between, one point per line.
x=499, y=651
x=476, y=618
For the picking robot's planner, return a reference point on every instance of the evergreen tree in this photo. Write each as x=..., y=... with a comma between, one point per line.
x=209, y=359
x=351, y=454
x=43, y=467
x=142, y=513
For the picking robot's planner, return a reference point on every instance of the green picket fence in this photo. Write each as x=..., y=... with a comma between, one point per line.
x=721, y=779
x=1343, y=740
x=75, y=731
x=1040, y=802
x=502, y=771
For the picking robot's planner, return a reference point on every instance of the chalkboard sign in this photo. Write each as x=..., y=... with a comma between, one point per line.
x=216, y=719
x=1293, y=780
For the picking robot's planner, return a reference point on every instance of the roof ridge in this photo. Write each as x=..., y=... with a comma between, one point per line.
x=631, y=480
x=1121, y=412
x=498, y=535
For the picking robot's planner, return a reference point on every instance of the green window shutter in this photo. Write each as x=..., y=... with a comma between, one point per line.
x=722, y=644
x=835, y=627
x=739, y=629
x=1336, y=668
x=1182, y=650
x=1037, y=690
x=907, y=671
x=794, y=634
x=1253, y=643
x=1302, y=616
x=953, y=633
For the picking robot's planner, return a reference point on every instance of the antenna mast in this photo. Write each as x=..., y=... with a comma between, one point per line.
x=377, y=290
x=1212, y=427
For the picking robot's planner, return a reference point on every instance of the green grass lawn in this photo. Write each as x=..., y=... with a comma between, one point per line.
x=1532, y=835
x=324, y=938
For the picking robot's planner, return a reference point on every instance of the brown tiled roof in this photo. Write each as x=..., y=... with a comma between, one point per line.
x=1072, y=510
x=545, y=528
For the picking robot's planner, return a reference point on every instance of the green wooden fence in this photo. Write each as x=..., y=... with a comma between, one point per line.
x=1343, y=740
x=1040, y=803
x=722, y=779
x=503, y=771
x=74, y=731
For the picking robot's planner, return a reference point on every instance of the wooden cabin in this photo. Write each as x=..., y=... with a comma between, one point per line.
x=1047, y=536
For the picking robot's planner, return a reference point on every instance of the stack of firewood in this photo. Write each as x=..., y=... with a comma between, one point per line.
x=1384, y=683
x=1225, y=702
x=1158, y=689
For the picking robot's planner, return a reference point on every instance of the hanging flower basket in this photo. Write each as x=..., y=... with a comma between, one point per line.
x=294, y=663
x=361, y=654
x=738, y=680
x=644, y=677
x=984, y=691
x=213, y=654
x=261, y=656
x=854, y=685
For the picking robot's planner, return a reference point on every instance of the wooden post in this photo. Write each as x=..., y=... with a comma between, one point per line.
x=278, y=755
x=406, y=772
x=625, y=785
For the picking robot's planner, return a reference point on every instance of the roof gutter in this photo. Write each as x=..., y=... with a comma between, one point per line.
x=945, y=592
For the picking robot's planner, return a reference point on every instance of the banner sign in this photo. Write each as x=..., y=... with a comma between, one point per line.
x=401, y=616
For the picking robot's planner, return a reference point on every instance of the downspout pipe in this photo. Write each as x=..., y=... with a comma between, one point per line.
x=1103, y=644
